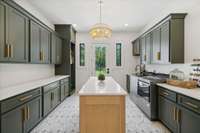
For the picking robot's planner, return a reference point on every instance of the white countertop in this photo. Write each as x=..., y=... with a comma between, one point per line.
x=21, y=88
x=109, y=87
x=194, y=93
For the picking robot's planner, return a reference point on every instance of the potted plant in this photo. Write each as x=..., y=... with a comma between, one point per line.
x=101, y=77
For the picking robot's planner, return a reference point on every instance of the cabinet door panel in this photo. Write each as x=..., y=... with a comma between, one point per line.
x=156, y=48
x=189, y=121
x=3, y=56
x=167, y=113
x=34, y=108
x=148, y=48
x=56, y=97
x=58, y=50
x=165, y=58
x=143, y=51
x=17, y=35
x=53, y=48
x=45, y=45
x=12, y=122
x=47, y=103
x=35, y=42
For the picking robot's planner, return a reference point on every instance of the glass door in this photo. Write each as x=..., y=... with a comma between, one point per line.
x=100, y=59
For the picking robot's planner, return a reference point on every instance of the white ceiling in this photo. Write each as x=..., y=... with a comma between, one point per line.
x=116, y=13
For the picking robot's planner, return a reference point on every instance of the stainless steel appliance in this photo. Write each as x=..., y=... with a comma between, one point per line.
x=147, y=95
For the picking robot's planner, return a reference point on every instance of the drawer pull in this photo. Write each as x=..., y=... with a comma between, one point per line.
x=164, y=94
x=25, y=98
x=191, y=105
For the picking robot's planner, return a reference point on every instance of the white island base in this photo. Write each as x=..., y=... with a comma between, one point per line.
x=102, y=107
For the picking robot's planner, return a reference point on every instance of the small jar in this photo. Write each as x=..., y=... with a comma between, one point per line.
x=176, y=74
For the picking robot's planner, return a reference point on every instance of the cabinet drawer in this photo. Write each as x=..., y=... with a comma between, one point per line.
x=189, y=103
x=167, y=94
x=13, y=102
x=64, y=80
x=51, y=86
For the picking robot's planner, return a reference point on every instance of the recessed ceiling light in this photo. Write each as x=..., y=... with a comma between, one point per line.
x=74, y=25
x=125, y=25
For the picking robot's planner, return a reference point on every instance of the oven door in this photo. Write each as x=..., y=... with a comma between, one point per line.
x=144, y=90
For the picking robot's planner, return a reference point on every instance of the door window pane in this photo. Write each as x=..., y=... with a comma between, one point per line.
x=118, y=54
x=100, y=60
x=82, y=54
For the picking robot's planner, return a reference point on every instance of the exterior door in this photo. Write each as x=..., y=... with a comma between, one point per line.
x=100, y=59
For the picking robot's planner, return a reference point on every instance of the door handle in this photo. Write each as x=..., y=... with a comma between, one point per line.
x=11, y=51
x=6, y=50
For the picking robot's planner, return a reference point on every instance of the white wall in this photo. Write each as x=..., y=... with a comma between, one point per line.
x=33, y=11
x=192, y=32
x=128, y=61
x=12, y=74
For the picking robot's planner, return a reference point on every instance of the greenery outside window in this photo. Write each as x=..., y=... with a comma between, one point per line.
x=82, y=54
x=118, y=54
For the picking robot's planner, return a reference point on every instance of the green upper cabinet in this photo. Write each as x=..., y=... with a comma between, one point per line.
x=56, y=49
x=148, y=43
x=156, y=46
x=35, y=42
x=166, y=42
x=3, y=50
x=45, y=45
x=14, y=35
x=142, y=50
x=136, y=47
x=39, y=44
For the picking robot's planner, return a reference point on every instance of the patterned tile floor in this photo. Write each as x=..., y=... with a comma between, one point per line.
x=65, y=119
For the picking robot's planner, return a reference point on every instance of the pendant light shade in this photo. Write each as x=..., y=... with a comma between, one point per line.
x=100, y=30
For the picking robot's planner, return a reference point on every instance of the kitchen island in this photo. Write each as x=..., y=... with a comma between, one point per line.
x=102, y=106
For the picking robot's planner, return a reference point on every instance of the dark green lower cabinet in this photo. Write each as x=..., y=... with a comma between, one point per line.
x=50, y=100
x=64, y=90
x=34, y=113
x=13, y=121
x=167, y=113
x=189, y=121
x=23, y=118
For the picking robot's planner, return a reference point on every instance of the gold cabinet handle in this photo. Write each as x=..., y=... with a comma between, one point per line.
x=145, y=57
x=174, y=113
x=158, y=56
x=6, y=51
x=24, y=114
x=11, y=51
x=52, y=96
x=25, y=98
x=28, y=113
x=191, y=105
x=40, y=56
x=164, y=94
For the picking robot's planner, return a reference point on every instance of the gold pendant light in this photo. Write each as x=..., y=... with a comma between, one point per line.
x=100, y=30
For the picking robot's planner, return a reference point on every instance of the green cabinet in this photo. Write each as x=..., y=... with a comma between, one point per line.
x=136, y=47
x=34, y=113
x=23, y=118
x=51, y=97
x=15, y=44
x=56, y=49
x=189, y=121
x=181, y=114
x=164, y=42
x=13, y=121
x=64, y=90
x=167, y=113
x=39, y=43
x=3, y=46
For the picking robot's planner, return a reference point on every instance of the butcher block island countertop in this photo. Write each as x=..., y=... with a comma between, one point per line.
x=102, y=106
